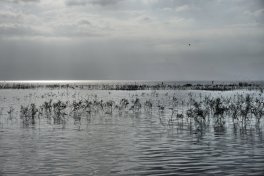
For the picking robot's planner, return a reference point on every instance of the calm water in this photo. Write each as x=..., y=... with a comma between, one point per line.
x=131, y=144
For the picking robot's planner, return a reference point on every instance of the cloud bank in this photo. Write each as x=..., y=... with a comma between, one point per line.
x=132, y=39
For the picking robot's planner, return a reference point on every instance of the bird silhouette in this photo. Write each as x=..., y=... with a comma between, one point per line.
x=189, y=44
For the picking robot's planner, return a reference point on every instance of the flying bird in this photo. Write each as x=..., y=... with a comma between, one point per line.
x=189, y=44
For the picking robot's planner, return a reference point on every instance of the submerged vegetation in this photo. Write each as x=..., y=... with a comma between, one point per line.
x=174, y=125
x=168, y=104
x=190, y=127
x=200, y=109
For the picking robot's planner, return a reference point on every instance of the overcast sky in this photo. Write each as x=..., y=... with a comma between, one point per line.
x=132, y=39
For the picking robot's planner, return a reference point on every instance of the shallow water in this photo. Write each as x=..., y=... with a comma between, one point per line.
x=131, y=144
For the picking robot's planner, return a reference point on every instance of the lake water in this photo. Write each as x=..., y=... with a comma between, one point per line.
x=123, y=144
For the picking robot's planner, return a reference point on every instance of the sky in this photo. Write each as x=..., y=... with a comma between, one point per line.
x=131, y=40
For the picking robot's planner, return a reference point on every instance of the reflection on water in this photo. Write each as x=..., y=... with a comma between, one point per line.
x=132, y=145
x=136, y=143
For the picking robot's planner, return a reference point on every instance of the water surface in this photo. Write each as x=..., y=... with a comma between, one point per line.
x=128, y=144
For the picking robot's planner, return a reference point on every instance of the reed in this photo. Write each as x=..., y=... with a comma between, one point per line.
x=241, y=108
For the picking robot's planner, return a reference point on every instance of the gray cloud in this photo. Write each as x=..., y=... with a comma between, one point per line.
x=20, y=1
x=132, y=39
x=93, y=2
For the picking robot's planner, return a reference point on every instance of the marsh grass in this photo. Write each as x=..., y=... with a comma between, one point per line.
x=199, y=110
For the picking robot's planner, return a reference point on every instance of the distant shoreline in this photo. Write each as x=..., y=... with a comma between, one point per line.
x=135, y=85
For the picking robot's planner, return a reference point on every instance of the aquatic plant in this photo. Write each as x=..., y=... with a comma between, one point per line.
x=28, y=114
x=197, y=108
x=148, y=105
x=136, y=105
x=59, y=112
